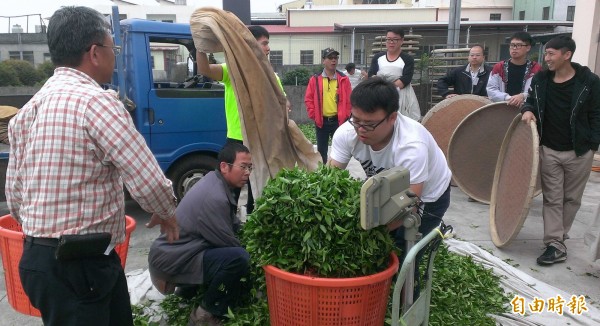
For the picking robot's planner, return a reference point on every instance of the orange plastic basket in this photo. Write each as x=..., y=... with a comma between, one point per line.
x=11, y=244
x=298, y=300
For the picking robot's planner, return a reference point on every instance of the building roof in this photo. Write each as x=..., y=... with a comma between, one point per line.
x=443, y=24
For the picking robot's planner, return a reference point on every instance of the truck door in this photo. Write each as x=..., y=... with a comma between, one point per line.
x=187, y=120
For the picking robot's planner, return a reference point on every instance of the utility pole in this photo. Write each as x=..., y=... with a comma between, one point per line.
x=454, y=24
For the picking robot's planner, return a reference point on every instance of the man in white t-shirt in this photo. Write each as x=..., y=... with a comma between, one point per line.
x=380, y=139
x=354, y=75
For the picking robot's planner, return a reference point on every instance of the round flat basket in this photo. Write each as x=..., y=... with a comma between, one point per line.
x=474, y=146
x=444, y=117
x=515, y=181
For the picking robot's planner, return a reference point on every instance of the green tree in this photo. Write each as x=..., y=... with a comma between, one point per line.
x=298, y=76
x=46, y=70
x=27, y=74
x=8, y=75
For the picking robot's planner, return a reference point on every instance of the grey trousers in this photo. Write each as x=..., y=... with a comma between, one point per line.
x=564, y=176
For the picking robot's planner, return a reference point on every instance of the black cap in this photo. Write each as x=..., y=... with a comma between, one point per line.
x=329, y=51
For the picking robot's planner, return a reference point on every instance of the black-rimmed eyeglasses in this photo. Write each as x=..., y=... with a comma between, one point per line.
x=517, y=45
x=246, y=168
x=368, y=126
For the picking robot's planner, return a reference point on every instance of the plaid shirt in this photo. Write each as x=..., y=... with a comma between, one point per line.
x=73, y=145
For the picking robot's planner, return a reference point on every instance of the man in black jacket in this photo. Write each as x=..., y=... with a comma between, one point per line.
x=564, y=101
x=469, y=79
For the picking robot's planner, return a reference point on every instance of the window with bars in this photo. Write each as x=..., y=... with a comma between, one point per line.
x=306, y=57
x=546, y=13
x=21, y=55
x=495, y=16
x=357, y=56
x=276, y=57
x=571, y=13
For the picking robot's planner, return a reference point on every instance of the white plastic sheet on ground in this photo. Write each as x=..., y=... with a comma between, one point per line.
x=142, y=291
x=511, y=279
x=518, y=282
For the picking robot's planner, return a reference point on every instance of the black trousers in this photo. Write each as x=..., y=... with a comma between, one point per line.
x=323, y=134
x=89, y=291
x=223, y=270
x=432, y=217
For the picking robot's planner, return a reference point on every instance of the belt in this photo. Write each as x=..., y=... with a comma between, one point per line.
x=48, y=242
x=334, y=118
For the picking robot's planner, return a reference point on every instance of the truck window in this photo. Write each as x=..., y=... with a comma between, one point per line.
x=169, y=61
x=172, y=72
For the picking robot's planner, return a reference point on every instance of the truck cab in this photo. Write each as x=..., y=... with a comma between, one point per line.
x=180, y=114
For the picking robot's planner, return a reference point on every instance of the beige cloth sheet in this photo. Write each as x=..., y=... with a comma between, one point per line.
x=275, y=142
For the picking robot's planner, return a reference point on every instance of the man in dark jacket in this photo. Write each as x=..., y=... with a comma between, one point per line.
x=469, y=79
x=208, y=250
x=564, y=101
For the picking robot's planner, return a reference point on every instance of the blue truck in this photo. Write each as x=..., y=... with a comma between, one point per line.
x=180, y=114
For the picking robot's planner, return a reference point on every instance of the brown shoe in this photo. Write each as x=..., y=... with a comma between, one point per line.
x=201, y=317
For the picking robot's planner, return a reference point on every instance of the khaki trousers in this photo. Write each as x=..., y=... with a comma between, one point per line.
x=564, y=176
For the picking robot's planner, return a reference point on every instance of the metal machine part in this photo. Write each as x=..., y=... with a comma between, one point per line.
x=386, y=198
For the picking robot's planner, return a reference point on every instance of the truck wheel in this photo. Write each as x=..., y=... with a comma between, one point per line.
x=186, y=173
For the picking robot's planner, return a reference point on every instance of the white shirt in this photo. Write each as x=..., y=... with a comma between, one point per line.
x=411, y=147
x=390, y=70
x=354, y=79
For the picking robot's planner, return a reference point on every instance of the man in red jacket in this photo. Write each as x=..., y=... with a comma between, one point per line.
x=327, y=100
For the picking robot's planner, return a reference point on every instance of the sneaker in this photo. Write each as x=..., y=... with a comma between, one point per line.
x=552, y=255
x=201, y=317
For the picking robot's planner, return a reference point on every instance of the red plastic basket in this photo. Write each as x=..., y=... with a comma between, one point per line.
x=298, y=300
x=11, y=244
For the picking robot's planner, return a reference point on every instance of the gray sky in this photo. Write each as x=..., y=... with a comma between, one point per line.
x=47, y=7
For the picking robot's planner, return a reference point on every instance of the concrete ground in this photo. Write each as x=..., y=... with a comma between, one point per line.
x=578, y=275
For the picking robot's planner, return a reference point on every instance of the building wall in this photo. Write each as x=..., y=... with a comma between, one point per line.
x=17, y=42
x=477, y=14
x=533, y=9
x=306, y=18
x=587, y=34
x=293, y=45
x=492, y=38
x=464, y=3
x=388, y=14
x=560, y=8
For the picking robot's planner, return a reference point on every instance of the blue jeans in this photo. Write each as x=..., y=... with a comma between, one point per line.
x=223, y=270
x=330, y=125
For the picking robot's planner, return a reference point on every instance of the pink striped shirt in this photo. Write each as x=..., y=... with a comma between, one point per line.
x=73, y=145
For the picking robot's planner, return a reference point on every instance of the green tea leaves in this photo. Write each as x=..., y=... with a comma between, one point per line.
x=311, y=219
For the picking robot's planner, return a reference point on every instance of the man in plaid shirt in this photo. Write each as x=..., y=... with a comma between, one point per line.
x=73, y=145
